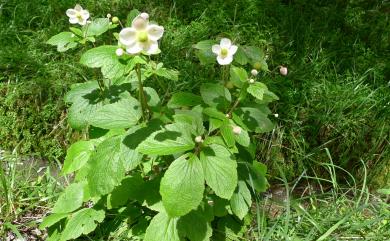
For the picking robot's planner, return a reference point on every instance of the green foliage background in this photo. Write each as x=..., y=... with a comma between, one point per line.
x=336, y=95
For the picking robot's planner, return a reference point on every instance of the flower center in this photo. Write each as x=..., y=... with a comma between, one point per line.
x=224, y=52
x=79, y=16
x=143, y=36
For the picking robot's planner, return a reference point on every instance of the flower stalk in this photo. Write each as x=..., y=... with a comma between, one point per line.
x=141, y=94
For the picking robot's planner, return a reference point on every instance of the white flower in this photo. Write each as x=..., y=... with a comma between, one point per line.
x=141, y=36
x=119, y=52
x=144, y=16
x=283, y=70
x=78, y=15
x=254, y=72
x=237, y=130
x=224, y=51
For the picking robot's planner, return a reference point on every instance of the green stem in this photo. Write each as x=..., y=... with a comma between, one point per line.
x=141, y=94
x=237, y=102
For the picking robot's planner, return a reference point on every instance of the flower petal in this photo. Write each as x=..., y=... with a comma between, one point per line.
x=78, y=8
x=82, y=21
x=139, y=23
x=71, y=13
x=85, y=14
x=73, y=20
x=152, y=48
x=134, y=48
x=233, y=50
x=155, y=32
x=216, y=49
x=224, y=61
x=226, y=43
x=128, y=36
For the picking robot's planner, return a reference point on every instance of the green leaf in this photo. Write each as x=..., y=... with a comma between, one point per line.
x=152, y=97
x=70, y=200
x=241, y=200
x=104, y=57
x=97, y=27
x=107, y=168
x=184, y=99
x=242, y=138
x=255, y=119
x=228, y=229
x=192, y=117
x=257, y=90
x=254, y=175
x=182, y=186
x=214, y=124
x=170, y=74
x=77, y=155
x=128, y=189
x=162, y=228
x=205, y=45
x=52, y=219
x=238, y=76
x=220, y=170
x=175, y=138
x=384, y=191
x=82, y=222
x=63, y=41
x=195, y=226
x=240, y=56
x=215, y=95
x=227, y=134
x=255, y=54
x=214, y=113
x=206, y=57
x=124, y=113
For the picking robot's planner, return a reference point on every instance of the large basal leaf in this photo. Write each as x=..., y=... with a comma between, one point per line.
x=77, y=155
x=129, y=188
x=70, y=200
x=195, y=226
x=175, y=138
x=104, y=57
x=241, y=200
x=82, y=222
x=220, y=170
x=63, y=41
x=124, y=113
x=162, y=228
x=215, y=95
x=106, y=167
x=255, y=119
x=97, y=27
x=182, y=186
x=182, y=99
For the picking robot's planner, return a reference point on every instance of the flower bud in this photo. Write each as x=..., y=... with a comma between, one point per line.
x=198, y=139
x=254, y=72
x=276, y=115
x=115, y=20
x=109, y=15
x=237, y=130
x=251, y=81
x=257, y=65
x=283, y=70
x=228, y=115
x=144, y=16
x=119, y=52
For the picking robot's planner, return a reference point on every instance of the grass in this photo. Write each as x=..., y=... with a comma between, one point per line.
x=333, y=109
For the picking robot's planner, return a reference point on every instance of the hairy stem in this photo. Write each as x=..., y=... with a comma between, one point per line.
x=141, y=94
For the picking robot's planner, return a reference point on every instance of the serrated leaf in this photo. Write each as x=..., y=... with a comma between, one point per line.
x=182, y=99
x=255, y=119
x=215, y=95
x=194, y=226
x=77, y=155
x=107, y=168
x=254, y=54
x=220, y=170
x=204, y=45
x=124, y=113
x=214, y=113
x=162, y=228
x=192, y=117
x=63, y=41
x=182, y=186
x=170, y=74
x=257, y=90
x=128, y=189
x=238, y=76
x=240, y=56
x=242, y=138
x=104, y=57
x=227, y=134
x=228, y=229
x=52, y=219
x=241, y=200
x=70, y=200
x=82, y=222
x=214, y=124
x=97, y=27
x=175, y=138
x=254, y=175
x=152, y=97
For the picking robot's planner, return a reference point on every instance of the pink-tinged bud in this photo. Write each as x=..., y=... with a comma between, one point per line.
x=237, y=130
x=144, y=16
x=198, y=139
x=254, y=72
x=251, y=81
x=119, y=52
x=283, y=70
